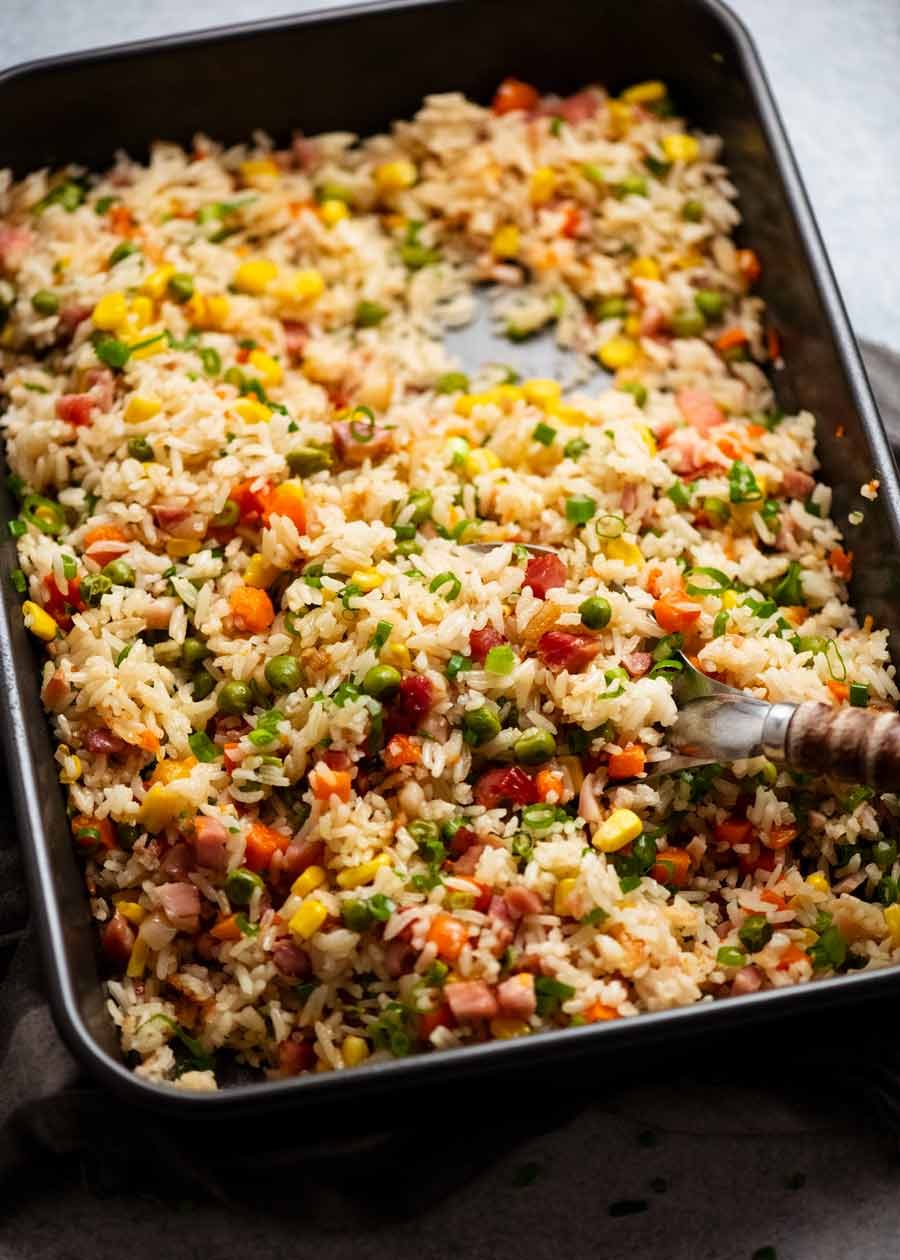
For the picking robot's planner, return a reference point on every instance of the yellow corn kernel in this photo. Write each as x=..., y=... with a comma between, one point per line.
x=141, y=312
x=645, y=268
x=252, y=411
x=481, y=460
x=40, y=623
x=502, y=396
x=568, y=414
x=313, y=877
x=255, y=275
x=618, y=352
x=819, y=882
x=156, y=283
x=195, y=309
x=806, y=936
x=72, y=772
x=333, y=211
x=301, y=286
x=216, y=312
x=505, y=1029
x=160, y=806
x=621, y=116
x=729, y=599
x=680, y=148
x=396, y=654
x=621, y=549
x=541, y=392
x=506, y=242
x=366, y=579
x=259, y=169
x=147, y=343
x=619, y=829
x=742, y=513
x=141, y=407
x=356, y=876
x=171, y=769
x=646, y=434
x=542, y=185
x=632, y=326
x=178, y=548
x=395, y=176
x=270, y=369
x=308, y=918
x=892, y=922
x=687, y=261
x=645, y=93
x=138, y=960
x=562, y=896
x=111, y=312
x=354, y=1051
x=133, y=911
x=260, y=572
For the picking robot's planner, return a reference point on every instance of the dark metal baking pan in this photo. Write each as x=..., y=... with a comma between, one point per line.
x=359, y=69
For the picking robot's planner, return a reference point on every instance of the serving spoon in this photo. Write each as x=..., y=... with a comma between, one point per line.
x=717, y=723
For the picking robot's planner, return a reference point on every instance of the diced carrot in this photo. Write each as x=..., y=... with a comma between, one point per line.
x=779, y=837
x=106, y=832
x=251, y=503
x=287, y=500
x=628, y=762
x=149, y=741
x=734, y=831
x=252, y=609
x=773, y=898
x=672, y=867
x=121, y=220
x=773, y=343
x=729, y=339
x=449, y=935
x=550, y=781
x=790, y=955
x=513, y=94
x=839, y=690
x=749, y=265
x=438, y=1017
x=729, y=447
x=598, y=1011
x=755, y=430
x=262, y=844
x=242, y=355
x=841, y=562
x=676, y=615
x=401, y=751
x=571, y=221
x=652, y=579
x=326, y=782
x=100, y=534
x=227, y=929
x=795, y=613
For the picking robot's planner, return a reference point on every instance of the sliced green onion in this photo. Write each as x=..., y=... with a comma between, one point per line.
x=538, y=818
x=444, y=579
x=45, y=514
x=457, y=664
x=452, y=383
x=580, y=508
x=742, y=484
x=381, y=635
x=610, y=525
x=720, y=624
x=544, y=434
x=18, y=580
x=17, y=528
x=575, y=448
x=203, y=748
x=362, y=430
x=211, y=360
x=859, y=695
x=680, y=494
x=722, y=581
x=500, y=660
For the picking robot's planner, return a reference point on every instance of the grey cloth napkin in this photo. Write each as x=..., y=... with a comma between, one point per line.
x=49, y=1110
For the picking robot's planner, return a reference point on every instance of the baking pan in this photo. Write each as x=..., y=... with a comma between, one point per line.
x=359, y=68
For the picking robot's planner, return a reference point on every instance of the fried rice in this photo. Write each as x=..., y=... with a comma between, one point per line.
x=347, y=788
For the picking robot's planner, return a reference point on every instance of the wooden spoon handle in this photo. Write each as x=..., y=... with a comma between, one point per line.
x=853, y=744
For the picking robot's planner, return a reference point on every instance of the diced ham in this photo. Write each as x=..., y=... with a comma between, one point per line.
x=629, y=497
x=689, y=454
x=103, y=742
x=468, y=863
x=544, y=573
x=15, y=243
x=210, y=838
x=563, y=649
x=295, y=1056
x=336, y=759
x=797, y=484
x=207, y=947
x=179, y=522
x=73, y=314
x=581, y=106
x=306, y=152
x=290, y=959
x=158, y=612
x=463, y=838
x=399, y=958
x=177, y=863
x=699, y=409
x=505, y=783
x=100, y=384
x=516, y=997
x=747, y=980
x=297, y=857
x=499, y=913
x=481, y=641
x=75, y=408
x=117, y=940
x=521, y=901
x=349, y=448
x=408, y=710
x=180, y=903
x=638, y=663
x=471, y=999
x=296, y=336
x=653, y=321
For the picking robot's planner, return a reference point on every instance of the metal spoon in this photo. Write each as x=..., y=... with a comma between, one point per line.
x=719, y=723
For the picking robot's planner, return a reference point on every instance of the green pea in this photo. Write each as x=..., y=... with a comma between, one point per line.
x=710, y=303
x=425, y=833
x=408, y=547
x=884, y=852
x=139, y=448
x=235, y=697
x=644, y=849
x=687, y=323
x=369, y=314
x=595, y=611
x=45, y=302
x=421, y=502
x=306, y=460
x=119, y=572
x=481, y=725
x=229, y=515
x=123, y=250
x=283, y=673
x=635, y=388
x=730, y=956
x=692, y=211
x=240, y=885
x=381, y=681
x=355, y=915
x=534, y=746
x=93, y=588
x=611, y=308
x=193, y=651
x=755, y=932
x=633, y=186
x=181, y=287
x=203, y=684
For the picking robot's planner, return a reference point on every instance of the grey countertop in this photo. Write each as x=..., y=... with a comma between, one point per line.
x=726, y=1156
